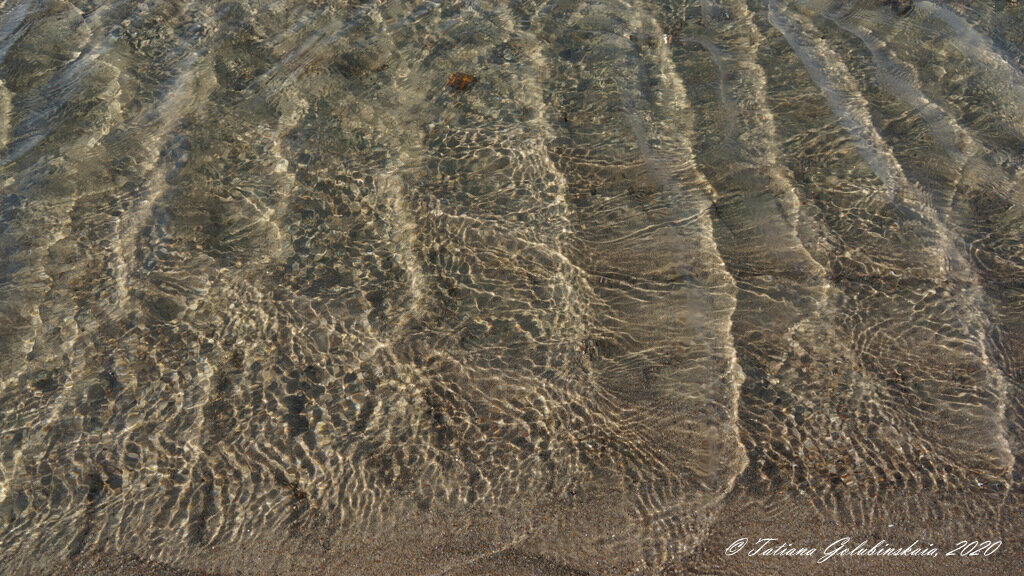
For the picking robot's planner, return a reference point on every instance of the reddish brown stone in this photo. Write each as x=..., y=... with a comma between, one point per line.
x=460, y=81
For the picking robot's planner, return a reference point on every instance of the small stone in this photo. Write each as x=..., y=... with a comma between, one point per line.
x=460, y=81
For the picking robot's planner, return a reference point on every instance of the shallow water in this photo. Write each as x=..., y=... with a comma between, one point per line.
x=425, y=284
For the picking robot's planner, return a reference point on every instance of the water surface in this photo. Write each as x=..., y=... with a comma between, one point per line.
x=518, y=287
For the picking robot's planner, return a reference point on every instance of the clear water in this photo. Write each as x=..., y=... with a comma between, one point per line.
x=281, y=291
